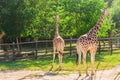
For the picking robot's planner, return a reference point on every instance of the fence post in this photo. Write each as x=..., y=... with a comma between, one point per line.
x=111, y=46
x=110, y=40
x=70, y=46
x=99, y=49
x=13, y=50
x=119, y=43
x=36, y=50
x=6, y=53
x=46, y=47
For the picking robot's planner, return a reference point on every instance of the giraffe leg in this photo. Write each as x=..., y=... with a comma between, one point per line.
x=93, y=52
x=84, y=62
x=60, y=60
x=79, y=61
x=53, y=59
x=92, y=62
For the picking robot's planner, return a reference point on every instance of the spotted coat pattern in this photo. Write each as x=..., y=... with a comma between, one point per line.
x=89, y=42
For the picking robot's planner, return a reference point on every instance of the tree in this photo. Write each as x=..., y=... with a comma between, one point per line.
x=11, y=20
x=81, y=16
x=35, y=18
x=115, y=12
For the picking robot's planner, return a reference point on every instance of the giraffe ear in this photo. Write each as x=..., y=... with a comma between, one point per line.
x=54, y=17
x=101, y=10
x=57, y=18
x=106, y=12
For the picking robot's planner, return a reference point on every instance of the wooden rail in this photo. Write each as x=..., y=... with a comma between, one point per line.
x=34, y=49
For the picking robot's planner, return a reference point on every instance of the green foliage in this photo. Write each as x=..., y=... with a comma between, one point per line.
x=10, y=17
x=35, y=18
x=115, y=12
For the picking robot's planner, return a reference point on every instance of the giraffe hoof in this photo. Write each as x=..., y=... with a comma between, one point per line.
x=60, y=69
x=51, y=68
x=92, y=74
x=87, y=74
x=79, y=74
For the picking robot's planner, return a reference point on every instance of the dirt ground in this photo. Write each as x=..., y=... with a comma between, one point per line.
x=112, y=74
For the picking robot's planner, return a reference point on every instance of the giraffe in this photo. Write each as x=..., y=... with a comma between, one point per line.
x=58, y=44
x=89, y=42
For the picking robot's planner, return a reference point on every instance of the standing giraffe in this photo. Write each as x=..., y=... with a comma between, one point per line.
x=58, y=44
x=89, y=42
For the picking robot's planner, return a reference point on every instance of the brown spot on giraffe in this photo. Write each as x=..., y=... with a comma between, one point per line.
x=89, y=42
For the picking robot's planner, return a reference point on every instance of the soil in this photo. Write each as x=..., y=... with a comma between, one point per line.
x=111, y=74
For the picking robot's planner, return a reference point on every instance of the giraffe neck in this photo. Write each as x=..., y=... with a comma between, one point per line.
x=96, y=28
x=56, y=32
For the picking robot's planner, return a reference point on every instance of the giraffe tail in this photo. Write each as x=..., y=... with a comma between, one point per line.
x=76, y=59
x=78, y=54
x=60, y=48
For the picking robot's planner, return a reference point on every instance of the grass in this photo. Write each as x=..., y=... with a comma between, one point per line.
x=44, y=63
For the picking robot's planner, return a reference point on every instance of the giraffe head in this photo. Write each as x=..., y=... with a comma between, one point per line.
x=57, y=18
x=106, y=12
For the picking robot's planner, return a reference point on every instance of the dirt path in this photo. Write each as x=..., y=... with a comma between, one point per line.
x=40, y=75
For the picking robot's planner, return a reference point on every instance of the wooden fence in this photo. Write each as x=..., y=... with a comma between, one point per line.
x=35, y=49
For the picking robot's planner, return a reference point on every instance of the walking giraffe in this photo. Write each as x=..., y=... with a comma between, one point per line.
x=89, y=42
x=58, y=44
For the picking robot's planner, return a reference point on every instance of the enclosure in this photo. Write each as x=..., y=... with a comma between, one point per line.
x=37, y=55
x=28, y=28
x=14, y=51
